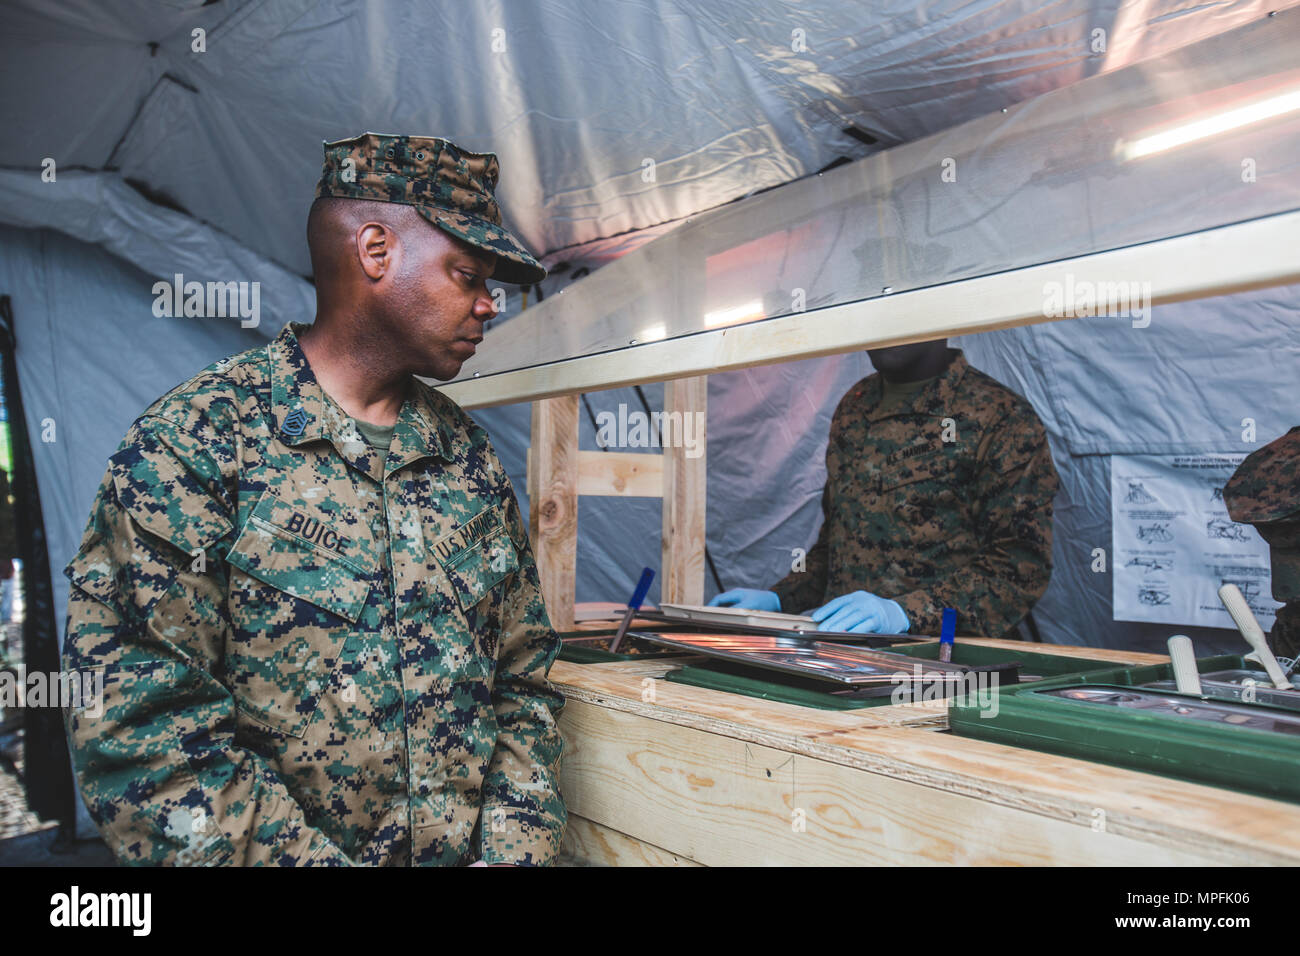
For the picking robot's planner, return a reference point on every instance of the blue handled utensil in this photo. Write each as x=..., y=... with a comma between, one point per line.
x=947, y=634
x=633, y=605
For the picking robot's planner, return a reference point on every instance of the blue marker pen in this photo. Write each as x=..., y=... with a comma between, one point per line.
x=947, y=634
x=634, y=605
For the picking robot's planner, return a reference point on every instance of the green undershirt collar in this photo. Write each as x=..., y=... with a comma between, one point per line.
x=894, y=394
x=380, y=437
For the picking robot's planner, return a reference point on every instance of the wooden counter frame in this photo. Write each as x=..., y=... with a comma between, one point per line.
x=670, y=774
x=1248, y=255
x=558, y=473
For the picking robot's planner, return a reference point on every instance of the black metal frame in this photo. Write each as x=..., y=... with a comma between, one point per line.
x=47, y=767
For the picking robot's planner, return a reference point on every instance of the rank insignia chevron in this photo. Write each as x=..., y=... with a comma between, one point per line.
x=294, y=423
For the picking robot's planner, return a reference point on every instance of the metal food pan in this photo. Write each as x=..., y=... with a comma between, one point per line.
x=824, y=660
x=736, y=627
x=1182, y=707
x=737, y=616
x=1265, y=694
x=1260, y=678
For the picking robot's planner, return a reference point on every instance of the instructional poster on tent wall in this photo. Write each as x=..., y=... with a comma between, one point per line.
x=1174, y=545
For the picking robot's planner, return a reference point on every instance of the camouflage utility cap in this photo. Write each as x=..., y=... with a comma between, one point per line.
x=449, y=186
x=1266, y=486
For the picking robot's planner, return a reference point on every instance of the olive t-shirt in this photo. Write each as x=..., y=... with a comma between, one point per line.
x=894, y=394
x=380, y=437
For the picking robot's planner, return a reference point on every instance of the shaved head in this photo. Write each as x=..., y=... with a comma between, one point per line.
x=332, y=227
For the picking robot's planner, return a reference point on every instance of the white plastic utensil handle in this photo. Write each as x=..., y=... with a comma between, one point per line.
x=1183, y=658
x=1253, y=633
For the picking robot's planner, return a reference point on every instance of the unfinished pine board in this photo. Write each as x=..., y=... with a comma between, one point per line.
x=1182, y=822
x=622, y=685
x=597, y=611
x=722, y=801
x=591, y=844
x=626, y=474
x=637, y=669
x=685, y=487
x=553, y=503
x=638, y=623
x=1232, y=826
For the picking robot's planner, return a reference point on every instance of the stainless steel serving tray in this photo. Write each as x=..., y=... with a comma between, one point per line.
x=1264, y=693
x=1182, y=706
x=1260, y=678
x=733, y=625
x=821, y=660
x=737, y=616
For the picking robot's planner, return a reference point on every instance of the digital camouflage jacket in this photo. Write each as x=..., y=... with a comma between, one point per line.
x=942, y=501
x=311, y=654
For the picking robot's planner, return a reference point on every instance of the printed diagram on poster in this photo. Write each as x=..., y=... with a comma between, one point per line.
x=1174, y=546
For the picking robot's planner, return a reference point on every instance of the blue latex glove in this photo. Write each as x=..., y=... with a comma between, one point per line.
x=751, y=599
x=862, y=613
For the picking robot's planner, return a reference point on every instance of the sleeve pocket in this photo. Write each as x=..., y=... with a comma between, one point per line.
x=166, y=501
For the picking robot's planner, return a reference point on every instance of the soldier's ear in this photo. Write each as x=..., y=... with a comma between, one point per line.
x=375, y=249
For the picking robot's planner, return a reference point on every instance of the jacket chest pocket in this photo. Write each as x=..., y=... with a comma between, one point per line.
x=476, y=567
x=294, y=601
x=475, y=560
x=932, y=475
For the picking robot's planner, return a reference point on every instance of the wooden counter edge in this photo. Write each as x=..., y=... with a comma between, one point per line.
x=1145, y=806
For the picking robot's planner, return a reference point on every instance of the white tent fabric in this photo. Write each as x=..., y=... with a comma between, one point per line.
x=727, y=97
x=101, y=209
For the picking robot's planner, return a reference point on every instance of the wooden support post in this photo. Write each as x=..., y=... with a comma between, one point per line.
x=553, y=503
x=685, y=487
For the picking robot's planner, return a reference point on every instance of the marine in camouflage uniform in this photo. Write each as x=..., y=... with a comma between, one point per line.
x=931, y=523
x=314, y=652
x=1265, y=492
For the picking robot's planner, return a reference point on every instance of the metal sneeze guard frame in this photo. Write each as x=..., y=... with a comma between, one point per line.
x=1174, y=179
